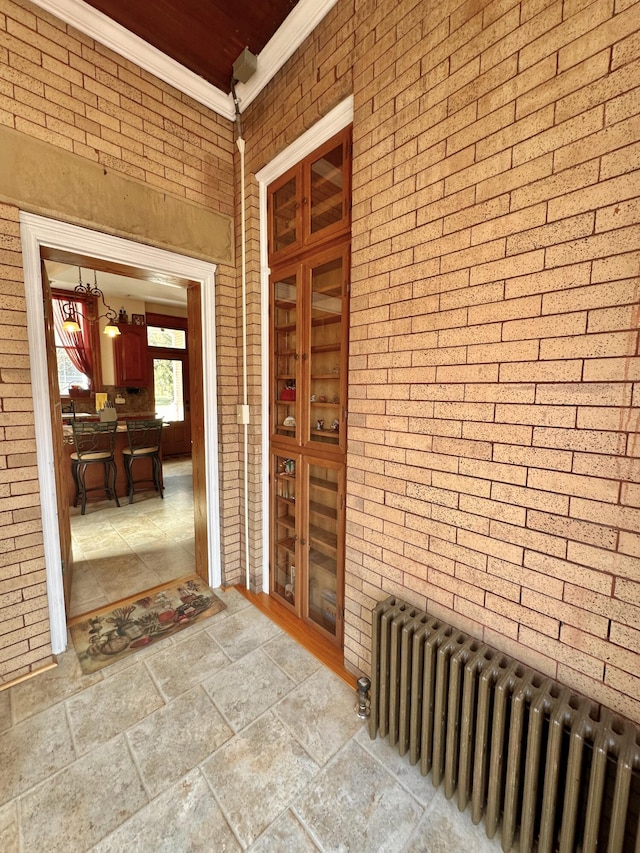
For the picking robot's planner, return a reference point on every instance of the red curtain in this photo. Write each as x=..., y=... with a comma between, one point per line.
x=76, y=344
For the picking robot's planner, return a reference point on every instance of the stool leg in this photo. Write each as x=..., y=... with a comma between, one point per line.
x=130, y=478
x=82, y=469
x=157, y=475
x=114, y=478
x=74, y=474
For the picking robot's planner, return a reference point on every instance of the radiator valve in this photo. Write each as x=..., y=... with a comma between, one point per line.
x=363, y=704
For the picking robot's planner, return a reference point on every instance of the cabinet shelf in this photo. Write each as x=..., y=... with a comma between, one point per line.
x=322, y=561
x=290, y=501
x=325, y=376
x=319, y=483
x=317, y=348
x=323, y=509
x=286, y=544
x=324, y=321
x=285, y=520
x=323, y=537
x=286, y=327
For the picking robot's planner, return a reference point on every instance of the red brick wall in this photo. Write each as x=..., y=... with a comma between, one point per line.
x=494, y=380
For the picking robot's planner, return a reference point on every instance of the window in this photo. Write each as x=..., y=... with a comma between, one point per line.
x=68, y=373
x=77, y=353
x=166, y=338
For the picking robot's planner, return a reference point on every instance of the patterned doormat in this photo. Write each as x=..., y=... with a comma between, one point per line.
x=110, y=636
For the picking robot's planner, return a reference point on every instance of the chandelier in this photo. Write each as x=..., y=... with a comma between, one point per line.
x=70, y=310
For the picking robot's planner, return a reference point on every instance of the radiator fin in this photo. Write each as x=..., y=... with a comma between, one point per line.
x=548, y=769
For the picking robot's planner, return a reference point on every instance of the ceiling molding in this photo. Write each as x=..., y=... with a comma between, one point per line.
x=299, y=23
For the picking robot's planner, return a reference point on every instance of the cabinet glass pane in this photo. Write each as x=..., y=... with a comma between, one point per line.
x=284, y=216
x=327, y=186
x=285, y=315
x=284, y=518
x=325, y=354
x=323, y=546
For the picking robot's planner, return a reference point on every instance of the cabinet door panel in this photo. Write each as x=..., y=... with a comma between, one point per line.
x=285, y=213
x=328, y=187
x=327, y=331
x=285, y=355
x=285, y=525
x=325, y=534
x=131, y=356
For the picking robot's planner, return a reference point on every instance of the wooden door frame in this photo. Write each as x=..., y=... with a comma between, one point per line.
x=38, y=233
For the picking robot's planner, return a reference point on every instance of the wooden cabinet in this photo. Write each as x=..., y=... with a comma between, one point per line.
x=131, y=357
x=309, y=338
x=311, y=203
x=307, y=545
x=309, y=221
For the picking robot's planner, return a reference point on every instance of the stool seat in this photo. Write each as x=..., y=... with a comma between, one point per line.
x=94, y=443
x=141, y=451
x=144, y=438
x=98, y=456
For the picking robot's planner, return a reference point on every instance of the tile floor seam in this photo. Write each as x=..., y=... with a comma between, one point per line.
x=397, y=778
x=134, y=761
x=307, y=828
x=220, y=803
x=67, y=714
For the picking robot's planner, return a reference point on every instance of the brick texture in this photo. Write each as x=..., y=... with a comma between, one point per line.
x=61, y=87
x=493, y=467
x=493, y=471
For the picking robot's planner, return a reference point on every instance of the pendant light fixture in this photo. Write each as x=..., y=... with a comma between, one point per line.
x=91, y=293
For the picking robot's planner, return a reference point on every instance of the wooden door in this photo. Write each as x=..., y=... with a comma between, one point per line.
x=168, y=357
x=60, y=458
x=198, y=455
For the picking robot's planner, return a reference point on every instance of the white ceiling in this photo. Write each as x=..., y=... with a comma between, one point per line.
x=115, y=286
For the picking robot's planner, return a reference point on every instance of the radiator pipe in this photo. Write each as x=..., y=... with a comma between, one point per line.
x=363, y=703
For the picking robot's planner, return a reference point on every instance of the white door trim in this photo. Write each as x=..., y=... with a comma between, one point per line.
x=37, y=231
x=324, y=129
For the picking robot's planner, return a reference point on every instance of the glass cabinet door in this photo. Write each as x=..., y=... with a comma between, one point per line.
x=285, y=359
x=285, y=540
x=328, y=187
x=325, y=552
x=328, y=325
x=285, y=217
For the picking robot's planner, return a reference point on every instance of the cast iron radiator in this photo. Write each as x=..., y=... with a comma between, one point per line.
x=551, y=770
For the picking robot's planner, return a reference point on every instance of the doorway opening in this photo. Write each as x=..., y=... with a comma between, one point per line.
x=45, y=237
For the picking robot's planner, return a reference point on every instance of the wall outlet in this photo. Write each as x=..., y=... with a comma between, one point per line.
x=120, y=399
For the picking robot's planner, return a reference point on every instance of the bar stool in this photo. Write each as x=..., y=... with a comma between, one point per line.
x=94, y=443
x=144, y=438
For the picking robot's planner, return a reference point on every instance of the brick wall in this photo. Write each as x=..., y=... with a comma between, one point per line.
x=494, y=378
x=57, y=85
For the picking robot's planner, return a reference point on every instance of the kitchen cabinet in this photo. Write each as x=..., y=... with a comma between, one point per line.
x=131, y=357
x=309, y=339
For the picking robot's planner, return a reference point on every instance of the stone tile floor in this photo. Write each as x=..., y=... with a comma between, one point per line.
x=119, y=552
x=227, y=736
